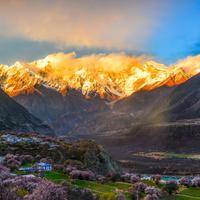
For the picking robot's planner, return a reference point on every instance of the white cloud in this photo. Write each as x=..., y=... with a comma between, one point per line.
x=90, y=23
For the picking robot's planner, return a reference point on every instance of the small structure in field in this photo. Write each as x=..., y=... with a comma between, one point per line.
x=27, y=169
x=38, y=167
x=41, y=166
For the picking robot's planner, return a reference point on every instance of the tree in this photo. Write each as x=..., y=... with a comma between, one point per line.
x=84, y=175
x=185, y=181
x=120, y=196
x=196, y=182
x=153, y=193
x=139, y=188
x=134, y=178
x=171, y=187
x=48, y=191
x=126, y=177
x=13, y=164
x=156, y=178
x=4, y=172
x=101, y=179
x=26, y=159
x=112, y=176
x=151, y=197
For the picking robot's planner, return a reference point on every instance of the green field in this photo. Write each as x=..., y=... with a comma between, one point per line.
x=107, y=191
x=189, y=194
x=56, y=176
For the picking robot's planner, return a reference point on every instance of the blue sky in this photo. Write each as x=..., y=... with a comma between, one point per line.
x=168, y=30
x=179, y=34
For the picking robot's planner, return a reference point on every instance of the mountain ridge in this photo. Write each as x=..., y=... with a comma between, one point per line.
x=15, y=117
x=149, y=106
x=112, y=76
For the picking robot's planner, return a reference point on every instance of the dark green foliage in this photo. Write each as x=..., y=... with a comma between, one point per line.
x=82, y=154
x=171, y=187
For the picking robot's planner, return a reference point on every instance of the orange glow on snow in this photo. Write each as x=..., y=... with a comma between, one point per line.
x=114, y=75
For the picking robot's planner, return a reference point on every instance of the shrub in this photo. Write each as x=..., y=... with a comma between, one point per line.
x=31, y=188
x=107, y=196
x=15, y=187
x=75, y=174
x=26, y=159
x=126, y=177
x=84, y=175
x=22, y=192
x=80, y=194
x=58, y=166
x=185, y=181
x=75, y=163
x=120, y=196
x=151, y=197
x=9, y=156
x=13, y=164
x=196, y=182
x=38, y=157
x=101, y=179
x=12, y=161
x=112, y=176
x=46, y=160
x=4, y=172
x=48, y=191
x=68, y=169
x=34, y=188
x=171, y=187
x=153, y=193
x=137, y=190
x=139, y=186
x=156, y=178
x=134, y=178
x=87, y=175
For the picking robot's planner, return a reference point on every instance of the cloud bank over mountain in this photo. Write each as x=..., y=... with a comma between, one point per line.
x=90, y=23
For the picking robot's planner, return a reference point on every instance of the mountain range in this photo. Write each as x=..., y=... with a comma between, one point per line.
x=166, y=118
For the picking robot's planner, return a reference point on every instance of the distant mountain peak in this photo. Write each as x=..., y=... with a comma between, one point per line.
x=112, y=76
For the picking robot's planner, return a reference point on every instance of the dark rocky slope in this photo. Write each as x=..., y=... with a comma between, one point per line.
x=15, y=117
x=62, y=113
x=164, y=119
x=149, y=109
x=85, y=153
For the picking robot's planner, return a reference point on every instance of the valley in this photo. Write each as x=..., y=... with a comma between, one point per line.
x=99, y=100
x=165, y=119
x=148, y=132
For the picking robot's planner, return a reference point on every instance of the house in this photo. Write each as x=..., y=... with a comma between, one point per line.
x=38, y=167
x=11, y=138
x=27, y=169
x=43, y=166
x=29, y=175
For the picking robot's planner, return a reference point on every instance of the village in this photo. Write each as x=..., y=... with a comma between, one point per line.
x=114, y=185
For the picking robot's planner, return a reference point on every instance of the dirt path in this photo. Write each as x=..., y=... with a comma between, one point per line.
x=191, y=197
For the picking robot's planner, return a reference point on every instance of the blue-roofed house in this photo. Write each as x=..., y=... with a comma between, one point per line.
x=41, y=166
x=37, y=167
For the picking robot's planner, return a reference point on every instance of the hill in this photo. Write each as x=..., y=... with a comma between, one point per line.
x=15, y=117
